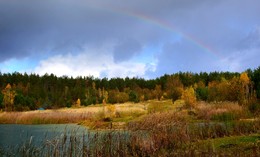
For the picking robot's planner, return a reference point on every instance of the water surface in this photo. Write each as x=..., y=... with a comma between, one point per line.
x=16, y=134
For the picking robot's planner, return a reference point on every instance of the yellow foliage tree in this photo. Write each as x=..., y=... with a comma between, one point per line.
x=189, y=97
x=244, y=78
x=9, y=95
x=78, y=103
x=244, y=93
x=174, y=88
x=105, y=96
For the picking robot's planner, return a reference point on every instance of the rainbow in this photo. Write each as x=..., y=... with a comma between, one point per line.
x=163, y=25
x=169, y=27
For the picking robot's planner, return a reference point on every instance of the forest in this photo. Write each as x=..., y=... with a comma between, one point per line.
x=23, y=92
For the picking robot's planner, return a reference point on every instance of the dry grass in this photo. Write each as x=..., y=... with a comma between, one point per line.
x=211, y=111
x=42, y=117
x=48, y=116
x=66, y=115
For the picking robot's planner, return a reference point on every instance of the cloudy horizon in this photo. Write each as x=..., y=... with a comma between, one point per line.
x=112, y=38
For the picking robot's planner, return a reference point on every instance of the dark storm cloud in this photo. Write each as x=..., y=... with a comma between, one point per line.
x=69, y=26
x=60, y=26
x=31, y=26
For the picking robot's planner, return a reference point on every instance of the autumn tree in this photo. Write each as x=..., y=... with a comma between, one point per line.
x=123, y=97
x=105, y=96
x=115, y=96
x=174, y=88
x=147, y=94
x=9, y=95
x=158, y=92
x=222, y=90
x=244, y=93
x=234, y=89
x=212, y=91
x=78, y=103
x=189, y=97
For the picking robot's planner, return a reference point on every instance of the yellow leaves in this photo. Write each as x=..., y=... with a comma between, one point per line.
x=8, y=87
x=189, y=97
x=9, y=95
x=238, y=89
x=244, y=94
x=244, y=78
x=78, y=103
x=105, y=95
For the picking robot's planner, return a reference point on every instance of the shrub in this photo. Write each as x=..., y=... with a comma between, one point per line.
x=133, y=96
x=254, y=108
x=202, y=93
x=189, y=97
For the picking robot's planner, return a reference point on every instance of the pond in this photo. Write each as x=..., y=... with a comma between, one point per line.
x=14, y=134
x=60, y=140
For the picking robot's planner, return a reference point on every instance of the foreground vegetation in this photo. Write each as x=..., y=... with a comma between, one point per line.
x=137, y=144
x=152, y=128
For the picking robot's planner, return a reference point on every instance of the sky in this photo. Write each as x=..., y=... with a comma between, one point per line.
x=120, y=38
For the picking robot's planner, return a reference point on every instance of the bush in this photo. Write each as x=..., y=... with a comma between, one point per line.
x=90, y=101
x=202, y=93
x=133, y=96
x=254, y=108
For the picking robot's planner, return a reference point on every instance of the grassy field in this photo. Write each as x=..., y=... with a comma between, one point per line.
x=152, y=128
x=70, y=115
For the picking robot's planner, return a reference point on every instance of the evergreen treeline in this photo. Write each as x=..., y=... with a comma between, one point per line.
x=21, y=92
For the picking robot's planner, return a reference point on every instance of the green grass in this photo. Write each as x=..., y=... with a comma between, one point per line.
x=233, y=143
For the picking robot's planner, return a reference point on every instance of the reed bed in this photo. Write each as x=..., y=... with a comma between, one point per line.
x=223, y=111
x=39, y=117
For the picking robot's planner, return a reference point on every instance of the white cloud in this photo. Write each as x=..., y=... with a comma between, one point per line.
x=95, y=62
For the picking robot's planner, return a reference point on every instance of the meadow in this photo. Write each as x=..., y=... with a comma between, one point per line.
x=150, y=128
